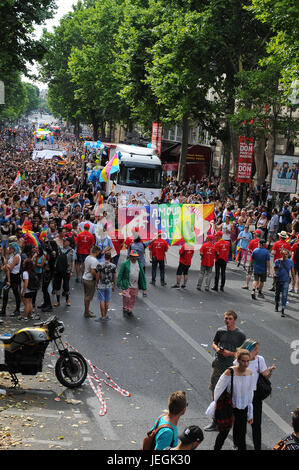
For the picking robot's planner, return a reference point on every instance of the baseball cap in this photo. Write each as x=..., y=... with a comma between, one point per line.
x=219, y=233
x=68, y=226
x=258, y=231
x=133, y=253
x=86, y=225
x=191, y=434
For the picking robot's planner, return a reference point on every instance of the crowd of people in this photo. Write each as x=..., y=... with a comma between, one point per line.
x=54, y=227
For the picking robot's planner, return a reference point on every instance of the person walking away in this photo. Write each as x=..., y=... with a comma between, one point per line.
x=207, y=255
x=50, y=249
x=222, y=249
x=158, y=249
x=243, y=240
x=242, y=396
x=13, y=278
x=225, y=344
x=291, y=441
x=64, y=268
x=295, y=251
x=276, y=251
x=260, y=260
x=84, y=241
x=258, y=366
x=130, y=279
x=283, y=268
x=104, y=241
x=273, y=227
x=168, y=436
x=186, y=254
x=253, y=244
x=106, y=277
x=90, y=279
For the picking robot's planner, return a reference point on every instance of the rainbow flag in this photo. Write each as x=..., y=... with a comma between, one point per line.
x=111, y=167
x=17, y=180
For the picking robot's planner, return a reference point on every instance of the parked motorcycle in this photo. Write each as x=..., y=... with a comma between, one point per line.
x=24, y=353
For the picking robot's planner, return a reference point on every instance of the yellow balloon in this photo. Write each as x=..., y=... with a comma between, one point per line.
x=97, y=161
x=82, y=157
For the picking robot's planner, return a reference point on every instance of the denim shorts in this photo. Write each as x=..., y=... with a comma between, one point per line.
x=104, y=295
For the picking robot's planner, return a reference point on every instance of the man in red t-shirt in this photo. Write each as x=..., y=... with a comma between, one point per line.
x=207, y=254
x=158, y=249
x=84, y=242
x=222, y=249
x=295, y=251
x=276, y=251
x=186, y=253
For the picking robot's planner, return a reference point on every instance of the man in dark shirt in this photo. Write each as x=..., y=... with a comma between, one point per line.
x=226, y=341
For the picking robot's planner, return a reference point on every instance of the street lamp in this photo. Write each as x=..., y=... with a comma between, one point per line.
x=213, y=145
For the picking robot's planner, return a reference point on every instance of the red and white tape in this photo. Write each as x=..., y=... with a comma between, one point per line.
x=99, y=380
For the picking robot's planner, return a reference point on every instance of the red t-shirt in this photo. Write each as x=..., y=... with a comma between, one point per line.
x=117, y=239
x=158, y=248
x=208, y=254
x=294, y=249
x=186, y=253
x=222, y=248
x=84, y=241
x=277, y=247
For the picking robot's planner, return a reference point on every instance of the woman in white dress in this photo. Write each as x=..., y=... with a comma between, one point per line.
x=258, y=366
x=243, y=387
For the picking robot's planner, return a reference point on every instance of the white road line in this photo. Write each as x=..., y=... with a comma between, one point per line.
x=274, y=417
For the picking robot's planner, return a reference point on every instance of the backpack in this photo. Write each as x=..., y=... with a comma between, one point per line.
x=284, y=443
x=149, y=441
x=33, y=281
x=61, y=264
x=224, y=415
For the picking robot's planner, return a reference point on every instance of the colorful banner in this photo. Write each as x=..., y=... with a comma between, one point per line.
x=180, y=223
x=285, y=174
x=244, y=168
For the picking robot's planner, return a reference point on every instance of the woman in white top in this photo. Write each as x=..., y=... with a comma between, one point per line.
x=257, y=365
x=243, y=387
x=13, y=278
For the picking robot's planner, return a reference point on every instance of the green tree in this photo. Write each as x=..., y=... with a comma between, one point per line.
x=16, y=98
x=17, y=22
x=32, y=92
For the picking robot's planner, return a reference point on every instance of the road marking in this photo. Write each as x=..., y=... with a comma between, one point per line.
x=274, y=417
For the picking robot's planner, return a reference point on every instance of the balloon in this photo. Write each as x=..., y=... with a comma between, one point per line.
x=82, y=157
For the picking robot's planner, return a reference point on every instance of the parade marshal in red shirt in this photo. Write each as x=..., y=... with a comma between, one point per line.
x=279, y=245
x=222, y=249
x=158, y=249
x=207, y=254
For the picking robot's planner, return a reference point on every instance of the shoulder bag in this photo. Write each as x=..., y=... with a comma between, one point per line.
x=263, y=386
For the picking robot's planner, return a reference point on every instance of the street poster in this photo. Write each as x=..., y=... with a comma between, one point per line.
x=157, y=136
x=244, y=168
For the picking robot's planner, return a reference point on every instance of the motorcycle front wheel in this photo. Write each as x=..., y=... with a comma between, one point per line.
x=71, y=369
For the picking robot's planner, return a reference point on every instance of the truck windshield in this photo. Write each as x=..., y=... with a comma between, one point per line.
x=142, y=176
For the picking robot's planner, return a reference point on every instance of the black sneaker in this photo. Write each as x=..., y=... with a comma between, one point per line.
x=282, y=313
x=253, y=295
x=175, y=286
x=276, y=307
x=215, y=289
x=16, y=313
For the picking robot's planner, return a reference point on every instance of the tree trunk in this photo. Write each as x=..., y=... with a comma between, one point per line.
x=259, y=157
x=95, y=124
x=184, y=147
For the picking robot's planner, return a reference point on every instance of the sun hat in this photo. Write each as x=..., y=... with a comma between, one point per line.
x=283, y=234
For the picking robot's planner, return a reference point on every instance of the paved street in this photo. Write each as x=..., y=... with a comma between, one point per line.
x=165, y=347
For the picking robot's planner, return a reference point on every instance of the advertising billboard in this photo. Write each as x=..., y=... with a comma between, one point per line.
x=285, y=174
